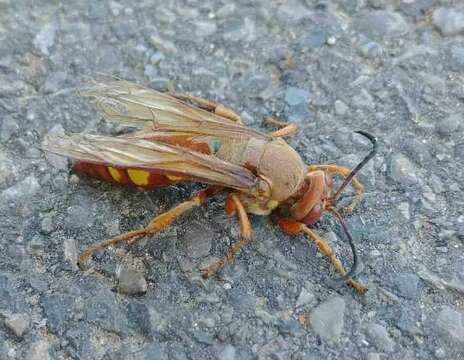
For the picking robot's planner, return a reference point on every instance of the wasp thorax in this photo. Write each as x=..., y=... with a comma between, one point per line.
x=283, y=167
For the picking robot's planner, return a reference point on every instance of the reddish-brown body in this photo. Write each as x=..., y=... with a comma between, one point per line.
x=261, y=156
x=183, y=138
x=102, y=172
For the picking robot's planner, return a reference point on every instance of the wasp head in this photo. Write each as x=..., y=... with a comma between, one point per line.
x=318, y=195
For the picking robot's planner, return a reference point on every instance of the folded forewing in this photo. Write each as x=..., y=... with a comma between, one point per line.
x=153, y=156
x=134, y=105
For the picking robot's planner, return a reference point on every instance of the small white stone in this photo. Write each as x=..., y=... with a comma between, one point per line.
x=331, y=40
x=17, y=323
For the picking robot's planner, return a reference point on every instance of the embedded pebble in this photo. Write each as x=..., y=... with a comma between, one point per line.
x=105, y=311
x=403, y=210
x=21, y=191
x=383, y=24
x=449, y=21
x=205, y=28
x=198, y=241
x=9, y=128
x=131, y=282
x=58, y=162
x=289, y=327
x=157, y=57
x=419, y=151
x=341, y=109
x=47, y=225
x=373, y=356
x=203, y=337
x=54, y=82
x=457, y=57
x=372, y=50
x=124, y=29
x=70, y=253
x=331, y=40
x=36, y=244
x=327, y=319
x=450, y=125
x=39, y=350
x=297, y=100
x=379, y=336
x=78, y=217
x=403, y=170
x=407, y=285
x=45, y=38
x=315, y=39
x=17, y=323
x=152, y=351
x=306, y=297
x=408, y=320
x=228, y=353
x=6, y=168
x=295, y=96
x=363, y=99
x=151, y=72
x=450, y=324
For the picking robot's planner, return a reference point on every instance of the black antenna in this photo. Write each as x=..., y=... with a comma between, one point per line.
x=369, y=156
x=354, y=267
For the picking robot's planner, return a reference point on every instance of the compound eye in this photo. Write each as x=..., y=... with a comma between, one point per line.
x=314, y=215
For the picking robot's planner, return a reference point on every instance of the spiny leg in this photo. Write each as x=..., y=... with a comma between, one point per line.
x=285, y=129
x=344, y=172
x=233, y=206
x=211, y=106
x=157, y=224
x=293, y=227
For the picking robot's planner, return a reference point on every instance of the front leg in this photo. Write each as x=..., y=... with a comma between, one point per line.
x=343, y=172
x=293, y=227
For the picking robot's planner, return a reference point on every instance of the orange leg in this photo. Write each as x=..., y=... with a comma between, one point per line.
x=233, y=206
x=293, y=227
x=156, y=225
x=286, y=129
x=211, y=106
x=343, y=172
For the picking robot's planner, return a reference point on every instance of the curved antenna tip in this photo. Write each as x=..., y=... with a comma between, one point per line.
x=358, y=167
x=372, y=138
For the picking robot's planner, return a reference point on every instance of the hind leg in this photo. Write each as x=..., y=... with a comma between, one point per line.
x=156, y=225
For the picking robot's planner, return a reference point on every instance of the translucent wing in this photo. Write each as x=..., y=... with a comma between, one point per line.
x=140, y=107
x=153, y=156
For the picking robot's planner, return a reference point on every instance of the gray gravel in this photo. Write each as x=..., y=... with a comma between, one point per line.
x=333, y=67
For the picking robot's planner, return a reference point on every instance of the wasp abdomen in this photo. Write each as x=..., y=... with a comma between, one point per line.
x=131, y=177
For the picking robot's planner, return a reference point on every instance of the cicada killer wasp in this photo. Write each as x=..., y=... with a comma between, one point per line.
x=181, y=138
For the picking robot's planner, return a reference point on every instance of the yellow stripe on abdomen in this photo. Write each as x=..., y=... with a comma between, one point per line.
x=138, y=177
x=115, y=174
x=174, y=178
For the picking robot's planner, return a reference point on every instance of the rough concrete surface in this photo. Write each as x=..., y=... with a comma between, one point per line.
x=394, y=68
